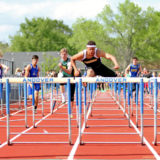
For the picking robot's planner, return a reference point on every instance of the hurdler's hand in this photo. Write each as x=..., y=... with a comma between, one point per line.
x=76, y=73
x=116, y=66
x=60, y=65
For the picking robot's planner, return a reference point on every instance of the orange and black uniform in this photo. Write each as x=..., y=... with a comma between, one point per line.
x=96, y=64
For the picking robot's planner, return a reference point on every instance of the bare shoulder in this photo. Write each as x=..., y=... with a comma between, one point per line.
x=28, y=67
x=78, y=56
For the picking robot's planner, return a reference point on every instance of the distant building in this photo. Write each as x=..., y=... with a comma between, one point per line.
x=21, y=59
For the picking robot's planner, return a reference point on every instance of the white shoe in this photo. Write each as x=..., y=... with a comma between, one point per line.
x=63, y=102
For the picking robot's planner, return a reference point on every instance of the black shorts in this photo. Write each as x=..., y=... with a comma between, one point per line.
x=104, y=71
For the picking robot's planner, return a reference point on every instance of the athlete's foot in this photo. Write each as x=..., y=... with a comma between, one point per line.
x=63, y=102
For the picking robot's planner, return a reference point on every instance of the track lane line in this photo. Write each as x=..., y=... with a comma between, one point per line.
x=12, y=139
x=144, y=139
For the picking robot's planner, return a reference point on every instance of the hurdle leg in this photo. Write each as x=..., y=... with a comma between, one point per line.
x=33, y=102
x=119, y=94
x=1, y=106
x=19, y=93
x=77, y=109
x=91, y=96
x=69, y=110
x=136, y=104
x=155, y=111
x=42, y=99
x=25, y=103
x=85, y=107
x=8, y=112
x=129, y=105
x=1, y=97
x=141, y=105
x=131, y=96
x=80, y=111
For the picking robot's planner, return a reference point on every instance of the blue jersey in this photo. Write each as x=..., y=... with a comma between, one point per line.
x=33, y=71
x=134, y=69
x=1, y=71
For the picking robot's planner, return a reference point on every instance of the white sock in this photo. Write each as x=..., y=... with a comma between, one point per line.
x=63, y=96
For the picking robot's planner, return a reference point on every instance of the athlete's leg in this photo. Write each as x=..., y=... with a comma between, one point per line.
x=29, y=92
x=72, y=97
x=36, y=93
x=62, y=89
x=90, y=73
x=104, y=71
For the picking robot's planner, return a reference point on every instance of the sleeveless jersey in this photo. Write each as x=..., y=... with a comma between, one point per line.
x=33, y=71
x=65, y=65
x=134, y=69
x=93, y=62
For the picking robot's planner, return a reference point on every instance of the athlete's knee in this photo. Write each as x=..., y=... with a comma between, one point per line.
x=36, y=94
x=30, y=97
x=90, y=73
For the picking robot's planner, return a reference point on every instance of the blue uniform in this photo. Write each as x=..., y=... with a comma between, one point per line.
x=1, y=72
x=134, y=69
x=33, y=73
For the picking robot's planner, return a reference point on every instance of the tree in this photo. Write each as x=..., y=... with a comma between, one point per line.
x=41, y=34
x=133, y=32
x=127, y=33
x=85, y=30
x=4, y=47
x=50, y=63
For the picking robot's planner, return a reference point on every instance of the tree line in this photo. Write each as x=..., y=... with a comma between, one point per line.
x=128, y=32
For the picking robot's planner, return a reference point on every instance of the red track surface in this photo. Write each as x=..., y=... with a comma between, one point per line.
x=86, y=151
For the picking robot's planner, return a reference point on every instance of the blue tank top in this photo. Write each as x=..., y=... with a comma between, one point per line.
x=1, y=72
x=33, y=71
x=134, y=69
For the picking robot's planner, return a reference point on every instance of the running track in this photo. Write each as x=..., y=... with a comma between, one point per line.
x=86, y=151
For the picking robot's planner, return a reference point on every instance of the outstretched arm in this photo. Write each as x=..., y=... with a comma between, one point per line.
x=127, y=70
x=110, y=57
x=77, y=57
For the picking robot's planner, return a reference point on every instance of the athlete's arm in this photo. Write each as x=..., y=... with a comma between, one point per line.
x=77, y=57
x=127, y=70
x=5, y=67
x=108, y=56
x=38, y=72
x=140, y=70
x=27, y=70
x=68, y=71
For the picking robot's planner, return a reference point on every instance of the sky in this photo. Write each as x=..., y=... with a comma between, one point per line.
x=13, y=12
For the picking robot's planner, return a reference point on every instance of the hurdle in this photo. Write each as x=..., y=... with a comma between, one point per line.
x=22, y=109
x=69, y=133
x=117, y=80
x=117, y=87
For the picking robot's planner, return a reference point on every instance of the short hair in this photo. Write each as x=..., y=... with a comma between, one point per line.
x=64, y=50
x=91, y=43
x=135, y=58
x=35, y=57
